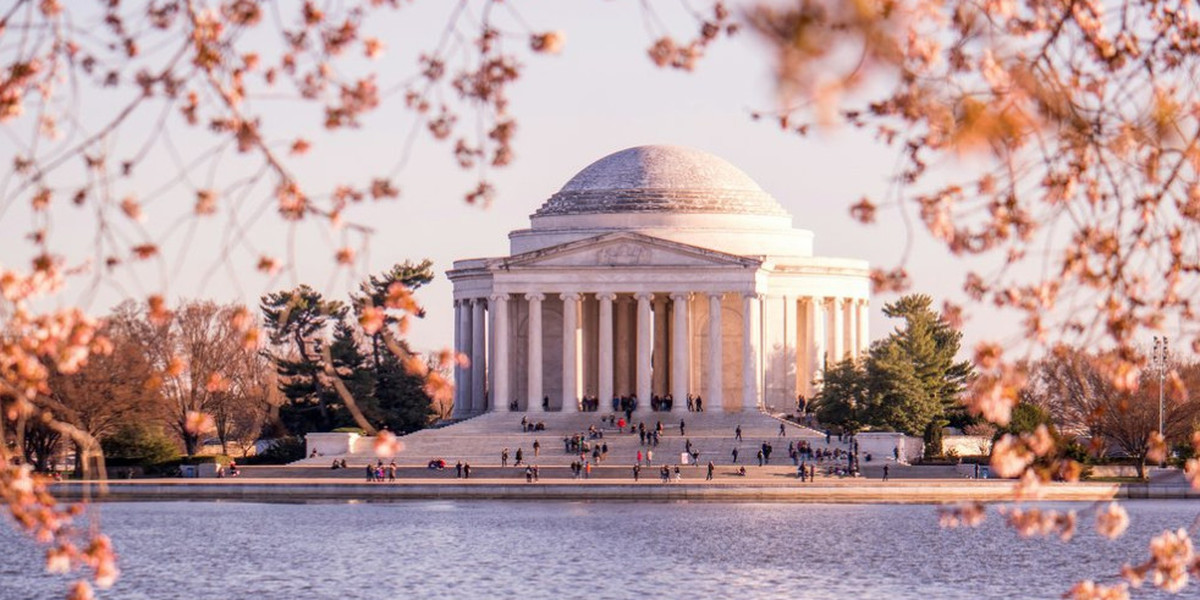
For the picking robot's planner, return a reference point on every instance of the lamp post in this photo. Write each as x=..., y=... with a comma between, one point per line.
x=1158, y=361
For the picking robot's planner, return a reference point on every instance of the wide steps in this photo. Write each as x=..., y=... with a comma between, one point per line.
x=479, y=440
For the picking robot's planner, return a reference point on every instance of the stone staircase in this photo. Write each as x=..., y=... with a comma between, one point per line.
x=479, y=440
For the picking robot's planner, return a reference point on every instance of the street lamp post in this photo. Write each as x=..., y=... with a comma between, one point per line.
x=1159, y=360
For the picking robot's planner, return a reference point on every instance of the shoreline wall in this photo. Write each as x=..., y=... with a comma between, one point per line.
x=890, y=492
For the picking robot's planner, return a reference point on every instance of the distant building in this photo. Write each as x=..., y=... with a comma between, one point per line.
x=655, y=271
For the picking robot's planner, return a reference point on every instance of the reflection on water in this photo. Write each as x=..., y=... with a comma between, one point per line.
x=492, y=549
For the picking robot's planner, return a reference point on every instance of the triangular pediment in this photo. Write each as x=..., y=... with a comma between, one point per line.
x=625, y=249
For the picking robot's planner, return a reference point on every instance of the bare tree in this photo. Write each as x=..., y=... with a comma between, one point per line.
x=242, y=410
x=1075, y=388
x=202, y=362
x=114, y=389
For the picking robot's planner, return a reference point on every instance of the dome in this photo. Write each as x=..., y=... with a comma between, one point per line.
x=661, y=179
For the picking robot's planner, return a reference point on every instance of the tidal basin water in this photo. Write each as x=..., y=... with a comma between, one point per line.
x=595, y=550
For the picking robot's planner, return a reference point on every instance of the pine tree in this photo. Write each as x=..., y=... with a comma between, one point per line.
x=844, y=399
x=400, y=400
x=352, y=366
x=296, y=321
x=913, y=375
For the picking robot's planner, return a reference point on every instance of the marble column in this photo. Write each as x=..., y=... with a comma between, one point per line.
x=864, y=325
x=501, y=397
x=605, y=384
x=794, y=362
x=658, y=361
x=751, y=342
x=461, y=385
x=679, y=351
x=570, y=354
x=478, y=356
x=644, y=325
x=850, y=317
x=622, y=354
x=817, y=359
x=836, y=334
x=534, y=402
x=716, y=363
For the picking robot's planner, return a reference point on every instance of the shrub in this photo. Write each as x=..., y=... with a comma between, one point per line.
x=135, y=445
x=284, y=450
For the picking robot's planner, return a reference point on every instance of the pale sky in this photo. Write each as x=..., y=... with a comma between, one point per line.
x=599, y=96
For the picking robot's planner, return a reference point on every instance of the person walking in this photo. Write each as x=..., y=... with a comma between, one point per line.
x=885, y=472
x=649, y=457
x=735, y=455
x=391, y=471
x=637, y=470
x=682, y=430
x=504, y=457
x=639, y=457
x=537, y=448
x=711, y=466
x=760, y=457
x=458, y=470
x=737, y=433
x=519, y=455
x=466, y=470
x=782, y=430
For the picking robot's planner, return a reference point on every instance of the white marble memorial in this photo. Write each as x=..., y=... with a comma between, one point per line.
x=655, y=271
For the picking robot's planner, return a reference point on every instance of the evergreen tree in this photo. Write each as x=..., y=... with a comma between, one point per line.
x=296, y=321
x=400, y=396
x=913, y=375
x=373, y=374
x=352, y=366
x=400, y=401
x=845, y=396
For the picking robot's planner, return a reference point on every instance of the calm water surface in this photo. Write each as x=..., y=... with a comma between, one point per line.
x=493, y=549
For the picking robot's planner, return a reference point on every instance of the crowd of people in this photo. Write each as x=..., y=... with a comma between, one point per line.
x=376, y=472
x=589, y=449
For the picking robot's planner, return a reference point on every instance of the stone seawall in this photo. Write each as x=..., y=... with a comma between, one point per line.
x=923, y=492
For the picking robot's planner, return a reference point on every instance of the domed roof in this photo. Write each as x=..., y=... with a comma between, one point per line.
x=661, y=179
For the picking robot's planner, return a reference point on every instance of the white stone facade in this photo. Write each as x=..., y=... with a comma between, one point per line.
x=656, y=271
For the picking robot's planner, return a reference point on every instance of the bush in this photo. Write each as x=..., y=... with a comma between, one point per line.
x=282, y=451
x=139, y=446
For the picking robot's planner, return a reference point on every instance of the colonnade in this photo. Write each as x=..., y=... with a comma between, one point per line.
x=541, y=351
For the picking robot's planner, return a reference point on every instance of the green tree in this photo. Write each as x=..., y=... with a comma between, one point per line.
x=844, y=399
x=140, y=443
x=913, y=374
x=353, y=367
x=296, y=321
x=400, y=402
